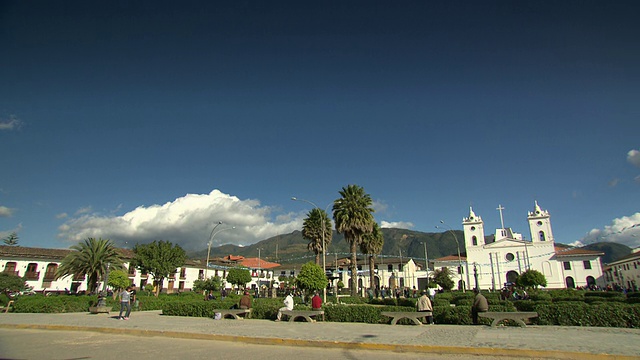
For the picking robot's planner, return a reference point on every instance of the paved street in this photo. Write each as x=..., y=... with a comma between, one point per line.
x=529, y=342
x=61, y=344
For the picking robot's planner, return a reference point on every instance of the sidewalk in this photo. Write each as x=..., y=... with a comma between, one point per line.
x=532, y=341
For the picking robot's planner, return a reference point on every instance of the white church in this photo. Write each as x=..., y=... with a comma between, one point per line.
x=495, y=260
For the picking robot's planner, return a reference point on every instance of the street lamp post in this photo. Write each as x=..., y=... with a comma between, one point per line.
x=458, y=247
x=324, y=261
x=211, y=237
x=426, y=261
x=209, y=248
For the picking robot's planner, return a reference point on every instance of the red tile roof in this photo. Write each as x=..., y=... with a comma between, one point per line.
x=256, y=263
x=451, y=258
x=574, y=251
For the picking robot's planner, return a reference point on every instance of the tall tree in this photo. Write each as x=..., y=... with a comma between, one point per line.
x=118, y=280
x=353, y=215
x=317, y=226
x=92, y=257
x=11, y=239
x=312, y=277
x=372, y=245
x=160, y=259
x=239, y=276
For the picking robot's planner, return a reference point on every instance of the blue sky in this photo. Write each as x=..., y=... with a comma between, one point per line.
x=155, y=120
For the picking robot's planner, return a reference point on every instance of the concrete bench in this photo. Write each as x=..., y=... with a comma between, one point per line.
x=516, y=316
x=411, y=315
x=233, y=313
x=308, y=315
x=99, y=309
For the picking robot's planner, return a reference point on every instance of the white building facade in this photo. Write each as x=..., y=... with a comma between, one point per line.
x=38, y=266
x=500, y=258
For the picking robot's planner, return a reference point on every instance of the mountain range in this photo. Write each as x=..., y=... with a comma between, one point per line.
x=291, y=249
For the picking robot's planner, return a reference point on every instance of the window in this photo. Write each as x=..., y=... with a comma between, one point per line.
x=50, y=274
x=542, y=236
x=11, y=268
x=474, y=239
x=567, y=265
x=587, y=265
x=390, y=267
x=32, y=272
x=459, y=269
x=510, y=257
x=399, y=267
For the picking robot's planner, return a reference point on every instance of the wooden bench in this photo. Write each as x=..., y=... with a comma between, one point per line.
x=99, y=309
x=516, y=316
x=308, y=315
x=411, y=315
x=6, y=308
x=233, y=313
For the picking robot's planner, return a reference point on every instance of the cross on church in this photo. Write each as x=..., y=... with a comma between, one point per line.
x=500, y=208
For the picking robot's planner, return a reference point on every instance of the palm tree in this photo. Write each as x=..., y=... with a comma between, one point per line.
x=372, y=245
x=317, y=226
x=353, y=215
x=93, y=258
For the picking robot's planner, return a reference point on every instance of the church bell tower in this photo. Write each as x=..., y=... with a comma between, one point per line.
x=473, y=230
x=540, y=225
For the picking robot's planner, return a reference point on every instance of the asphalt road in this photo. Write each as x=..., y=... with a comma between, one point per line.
x=59, y=345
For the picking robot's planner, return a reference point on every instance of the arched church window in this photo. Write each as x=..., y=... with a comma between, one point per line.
x=542, y=236
x=474, y=239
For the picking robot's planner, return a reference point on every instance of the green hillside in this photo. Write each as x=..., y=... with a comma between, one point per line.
x=291, y=249
x=612, y=251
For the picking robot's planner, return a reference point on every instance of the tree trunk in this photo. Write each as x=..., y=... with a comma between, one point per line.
x=354, y=269
x=318, y=258
x=371, y=272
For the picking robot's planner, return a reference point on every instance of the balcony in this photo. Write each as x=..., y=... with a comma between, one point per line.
x=11, y=272
x=32, y=275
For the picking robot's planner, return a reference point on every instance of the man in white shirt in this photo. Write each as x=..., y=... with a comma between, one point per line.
x=288, y=305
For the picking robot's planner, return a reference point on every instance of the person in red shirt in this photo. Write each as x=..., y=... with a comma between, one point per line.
x=316, y=302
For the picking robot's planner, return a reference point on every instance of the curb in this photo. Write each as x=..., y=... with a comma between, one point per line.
x=525, y=353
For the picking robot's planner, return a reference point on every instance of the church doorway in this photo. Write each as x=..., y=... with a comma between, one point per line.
x=591, y=281
x=512, y=276
x=570, y=283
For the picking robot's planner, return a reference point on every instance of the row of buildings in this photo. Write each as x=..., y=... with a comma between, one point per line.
x=486, y=261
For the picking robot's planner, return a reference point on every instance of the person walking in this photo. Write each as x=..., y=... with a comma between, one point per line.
x=125, y=303
x=288, y=305
x=424, y=305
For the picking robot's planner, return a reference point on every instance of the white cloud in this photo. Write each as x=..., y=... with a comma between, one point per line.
x=63, y=215
x=5, y=211
x=379, y=206
x=83, y=210
x=397, y=224
x=186, y=221
x=624, y=230
x=12, y=124
x=614, y=182
x=633, y=157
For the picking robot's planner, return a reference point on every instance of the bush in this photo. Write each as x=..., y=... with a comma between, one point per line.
x=580, y=314
x=360, y=313
x=54, y=303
